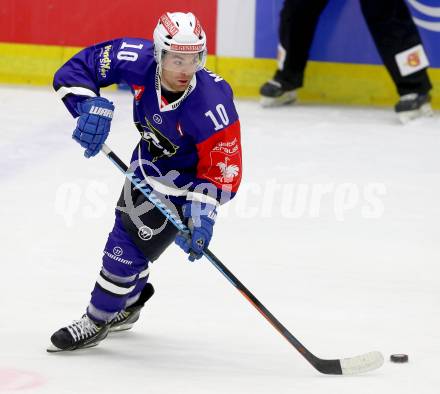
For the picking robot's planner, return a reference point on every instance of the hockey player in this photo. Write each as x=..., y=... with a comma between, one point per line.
x=393, y=32
x=189, y=153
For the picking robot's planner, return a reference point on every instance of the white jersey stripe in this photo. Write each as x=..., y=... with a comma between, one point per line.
x=158, y=186
x=63, y=91
x=200, y=197
x=174, y=191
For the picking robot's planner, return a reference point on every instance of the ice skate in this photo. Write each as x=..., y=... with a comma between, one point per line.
x=125, y=319
x=412, y=106
x=80, y=334
x=273, y=94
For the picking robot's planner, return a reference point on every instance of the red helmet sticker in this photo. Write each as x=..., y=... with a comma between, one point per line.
x=169, y=25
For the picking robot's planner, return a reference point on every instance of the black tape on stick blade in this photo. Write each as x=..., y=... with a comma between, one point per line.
x=399, y=358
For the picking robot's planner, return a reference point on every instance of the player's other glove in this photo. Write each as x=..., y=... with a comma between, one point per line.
x=95, y=116
x=201, y=219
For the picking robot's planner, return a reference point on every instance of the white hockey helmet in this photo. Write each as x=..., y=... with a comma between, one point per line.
x=181, y=33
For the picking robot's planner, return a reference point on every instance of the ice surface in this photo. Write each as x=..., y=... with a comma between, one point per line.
x=335, y=230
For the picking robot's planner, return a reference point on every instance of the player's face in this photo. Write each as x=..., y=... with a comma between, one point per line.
x=178, y=69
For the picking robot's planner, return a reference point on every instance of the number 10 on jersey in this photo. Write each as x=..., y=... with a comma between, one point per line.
x=221, y=112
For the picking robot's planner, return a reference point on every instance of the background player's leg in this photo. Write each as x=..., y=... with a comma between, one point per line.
x=298, y=20
x=394, y=32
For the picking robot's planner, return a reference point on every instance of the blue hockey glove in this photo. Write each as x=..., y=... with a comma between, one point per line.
x=201, y=219
x=95, y=116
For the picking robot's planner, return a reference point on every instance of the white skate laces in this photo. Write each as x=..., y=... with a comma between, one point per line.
x=82, y=329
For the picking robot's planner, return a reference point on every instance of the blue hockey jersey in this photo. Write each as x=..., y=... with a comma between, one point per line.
x=190, y=149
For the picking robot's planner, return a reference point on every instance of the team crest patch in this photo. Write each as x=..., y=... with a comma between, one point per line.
x=225, y=164
x=226, y=167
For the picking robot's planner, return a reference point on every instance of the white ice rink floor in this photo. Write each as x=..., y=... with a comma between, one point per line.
x=335, y=230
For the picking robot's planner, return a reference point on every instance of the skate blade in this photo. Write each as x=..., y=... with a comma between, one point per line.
x=123, y=327
x=284, y=99
x=53, y=349
x=427, y=110
x=424, y=111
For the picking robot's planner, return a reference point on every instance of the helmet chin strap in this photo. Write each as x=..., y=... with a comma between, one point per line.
x=159, y=83
x=162, y=83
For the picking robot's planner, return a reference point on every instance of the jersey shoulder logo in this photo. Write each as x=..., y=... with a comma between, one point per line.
x=223, y=164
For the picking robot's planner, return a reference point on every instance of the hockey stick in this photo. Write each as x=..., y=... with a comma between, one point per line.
x=346, y=366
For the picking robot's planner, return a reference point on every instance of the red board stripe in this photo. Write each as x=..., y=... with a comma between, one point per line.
x=83, y=22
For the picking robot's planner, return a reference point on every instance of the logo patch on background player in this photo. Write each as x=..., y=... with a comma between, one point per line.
x=412, y=60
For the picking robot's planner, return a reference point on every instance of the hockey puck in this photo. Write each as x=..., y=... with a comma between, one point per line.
x=399, y=358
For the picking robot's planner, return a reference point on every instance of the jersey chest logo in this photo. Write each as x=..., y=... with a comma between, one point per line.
x=158, y=144
x=138, y=91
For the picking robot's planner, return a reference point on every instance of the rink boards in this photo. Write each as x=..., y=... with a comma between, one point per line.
x=242, y=37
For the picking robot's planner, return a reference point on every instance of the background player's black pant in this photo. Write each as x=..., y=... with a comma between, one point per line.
x=390, y=25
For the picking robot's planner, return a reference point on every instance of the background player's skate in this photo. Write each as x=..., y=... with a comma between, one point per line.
x=412, y=106
x=274, y=94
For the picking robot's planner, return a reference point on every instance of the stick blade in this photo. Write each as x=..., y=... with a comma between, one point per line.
x=363, y=363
